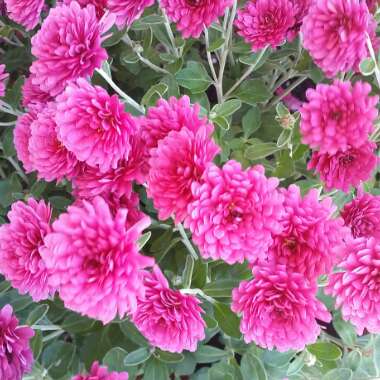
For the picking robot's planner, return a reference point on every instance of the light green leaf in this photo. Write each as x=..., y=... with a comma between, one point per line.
x=114, y=359
x=252, y=368
x=260, y=150
x=168, y=357
x=325, y=351
x=338, y=374
x=209, y=354
x=154, y=369
x=225, y=109
x=253, y=91
x=137, y=357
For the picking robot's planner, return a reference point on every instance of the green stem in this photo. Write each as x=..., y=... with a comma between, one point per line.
x=46, y=328
x=53, y=335
x=209, y=57
x=186, y=241
x=200, y=293
x=8, y=124
x=373, y=56
x=170, y=34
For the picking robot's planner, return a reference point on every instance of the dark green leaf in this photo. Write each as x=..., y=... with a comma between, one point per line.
x=36, y=344
x=154, y=369
x=37, y=314
x=114, y=359
x=76, y=323
x=251, y=121
x=57, y=357
x=137, y=357
x=131, y=332
x=221, y=288
x=253, y=91
x=168, y=357
x=209, y=354
x=194, y=77
x=225, y=109
x=260, y=150
x=345, y=330
x=227, y=320
x=252, y=368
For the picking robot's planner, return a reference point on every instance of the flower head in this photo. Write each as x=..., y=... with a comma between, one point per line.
x=169, y=319
x=21, y=242
x=16, y=357
x=3, y=77
x=265, y=22
x=127, y=11
x=104, y=277
x=25, y=12
x=234, y=212
x=372, y=5
x=33, y=96
x=175, y=165
x=357, y=288
x=338, y=116
x=93, y=125
x=300, y=9
x=345, y=169
x=334, y=33
x=191, y=16
x=98, y=372
x=67, y=47
x=279, y=309
x=101, y=6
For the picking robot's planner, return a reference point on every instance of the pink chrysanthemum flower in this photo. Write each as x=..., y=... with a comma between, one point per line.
x=357, y=289
x=191, y=16
x=103, y=278
x=169, y=319
x=48, y=155
x=127, y=11
x=21, y=137
x=300, y=9
x=334, y=33
x=16, y=357
x=3, y=76
x=91, y=181
x=25, y=12
x=175, y=165
x=337, y=116
x=93, y=125
x=311, y=241
x=171, y=115
x=67, y=47
x=372, y=5
x=362, y=215
x=265, y=22
x=345, y=169
x=279, y=309
x=100, y=5
x=33, y=96
x=234, y=212
x=21, y=242
x=98, y=372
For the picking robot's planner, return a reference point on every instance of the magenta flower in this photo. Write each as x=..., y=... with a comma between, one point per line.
x=175, y=165
x=192, y=16
x=98, y=372
x=345, y=169
x=21, y=242
x=338, y=116
x=300, y=9
x=234, y=213
x=169, y=319
x=171, y=115
x=334, y=33
x=47, y=153
x=362, y=215
x=67, y=47
x=93, y=125
x=16, y=357
x=265, y=22
x=3, y=77
x=33, y=96
x=100, y=5
x=372, y=5
x=311, y=242
x=279, y=309
x=103, y=278
x=25, y=12
x=127, y=11
x=357, y=288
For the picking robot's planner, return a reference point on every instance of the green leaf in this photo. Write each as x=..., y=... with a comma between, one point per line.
x=296, y=365
x=7, y=142
x=338, y=374
x=376, y=352
x=227, y=320
x=131, y=332
x=222, y=122
x=21, y=303
x=345, y=330
x=168, y=357
x=137, y=357
x=188, y=272
x=260, y=150
x=325, y=351
x=221, y=288
x=114, y=359
x=194, y=77
x=4, y=287
x=60, y=202
x=367, y=66
x=251, y=121
x=57, y=357
x=252, y=368
x=38, y=188
x=223, y=371
x=216, y=44
x=256, y=60
x=75, y=323
x=154, y=369
x=209, y=354
x=277, y=359
x=36, y=344
x=353, y=360
x=154, y=93
x=225, y=109
x=253, y=91
x=144, y=239
x=37, y=314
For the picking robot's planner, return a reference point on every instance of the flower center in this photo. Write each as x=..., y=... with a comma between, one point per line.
x=347, y=160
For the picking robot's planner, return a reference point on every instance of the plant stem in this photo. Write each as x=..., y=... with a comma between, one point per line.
x=198, y=292
x=7, y=124
x=18, y=169
x=127, y=98
x=46, y=328
x=209, y=57
x=53, y=335
x=373, y=56
x=170, y=34
x=186, y=241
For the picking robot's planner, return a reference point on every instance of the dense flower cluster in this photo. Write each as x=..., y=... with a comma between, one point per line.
x=127, y=11
x=25, y=12
x=98, y=372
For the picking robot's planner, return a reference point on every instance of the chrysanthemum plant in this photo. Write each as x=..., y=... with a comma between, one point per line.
x=189, y=190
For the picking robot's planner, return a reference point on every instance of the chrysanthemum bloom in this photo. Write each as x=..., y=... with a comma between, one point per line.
x=169, y=319
x=100, y=5
x=279, y=309
x=234, y=212
x=337, y=116
x=3, y=76
x=67, y=47
x=16, y=357
x=127, y=11
x=175, y=165
x=362, y=215
x=334, y=32
x=21, y=137
x=32, y=95
x=171, y=115
x=98, y=372
x=25, y=12
x=93, y=125
x=48, y=155
x=372, y=5
x=265, y=22
x=300, y=9
x=357, y=289
x=345, y=169
x=311, y=241
x=95, y=261
x=91, y=181
x=21, y=242
x=191, y=16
